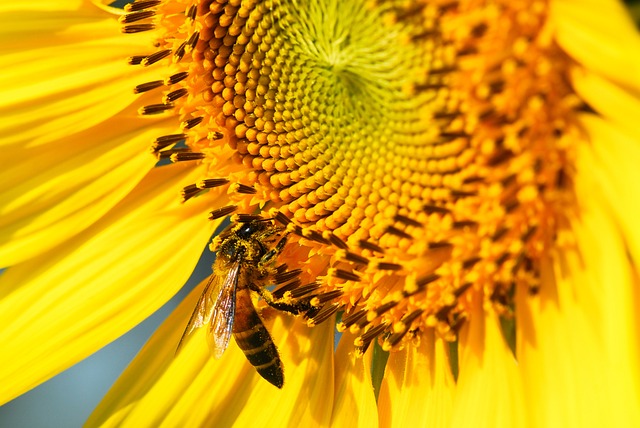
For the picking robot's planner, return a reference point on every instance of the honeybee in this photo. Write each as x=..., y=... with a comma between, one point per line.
x=245, y=260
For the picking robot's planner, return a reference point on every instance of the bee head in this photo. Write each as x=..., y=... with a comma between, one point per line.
x=251, y=229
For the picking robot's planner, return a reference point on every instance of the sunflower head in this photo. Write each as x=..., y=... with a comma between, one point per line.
x=418, y=150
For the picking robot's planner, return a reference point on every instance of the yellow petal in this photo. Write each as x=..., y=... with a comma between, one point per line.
x=616, y=104
x=354, y=399
x=418, y=387
x=489, y=391
x=72, y=144
x=609, y=164
x=86, y=106
x=52, y=194
x=65, y=304
x=600, y=35
x=194, y=389
x=578, y=340
x=45, y=5
x=609, y=238
x=604, y=267
x=67, y=77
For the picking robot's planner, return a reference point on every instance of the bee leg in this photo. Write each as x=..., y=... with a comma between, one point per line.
x=292, y=308
x=271, y=255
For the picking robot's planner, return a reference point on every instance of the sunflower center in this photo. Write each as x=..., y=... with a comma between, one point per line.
x=424, y=147
x=318, y=98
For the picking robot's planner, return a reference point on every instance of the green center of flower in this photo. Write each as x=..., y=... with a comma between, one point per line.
x=420, y=150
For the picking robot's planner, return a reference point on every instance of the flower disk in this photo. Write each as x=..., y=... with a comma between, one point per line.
x=420, y=149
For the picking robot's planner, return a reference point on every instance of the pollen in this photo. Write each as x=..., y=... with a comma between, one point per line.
x=418, y=151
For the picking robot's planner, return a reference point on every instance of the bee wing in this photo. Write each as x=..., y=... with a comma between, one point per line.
x=216, y=307
x=224, y=311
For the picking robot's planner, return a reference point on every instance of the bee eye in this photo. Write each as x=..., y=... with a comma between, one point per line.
x=247, y=230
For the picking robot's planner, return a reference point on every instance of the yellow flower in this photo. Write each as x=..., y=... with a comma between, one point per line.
x=457, y=179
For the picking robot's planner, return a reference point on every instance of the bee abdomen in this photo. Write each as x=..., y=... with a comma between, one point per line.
x=255, y=341
x=258, y=347
x=272, y=372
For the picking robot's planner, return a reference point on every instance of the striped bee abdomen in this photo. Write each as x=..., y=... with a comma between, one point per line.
x=255, y=341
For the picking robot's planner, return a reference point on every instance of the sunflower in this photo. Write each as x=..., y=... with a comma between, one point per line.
x=455, y=181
